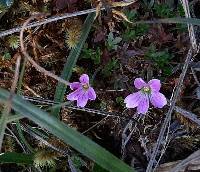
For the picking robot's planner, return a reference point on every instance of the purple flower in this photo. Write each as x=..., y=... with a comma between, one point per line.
x=148, y=92
x=82, y=91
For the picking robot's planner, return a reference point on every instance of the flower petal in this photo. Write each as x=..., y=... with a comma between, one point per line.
x=75, y=94
x=158, y=100
x=133, y=100
x=84, y=79
x=143, y=105
x=91, y=94
x=75, y=85
x=139, y=83
x=154, y=85
x=82, y=100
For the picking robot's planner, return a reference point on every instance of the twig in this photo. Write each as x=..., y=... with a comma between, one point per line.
x=185, y=162
x=174, y=97
x=178, y=109
x=66, y=105
x=195, y=77
x=165, y=144
x=188, y=115
x=69, y=15
x=47, y=20
x=8, y=103
x=31, y=91
x=14, y=83
x=17, y=140
x=190, y=26
x=143, y=142
x=37, y=67
x=125, y=138
x=93, y=126
x=71, y=165
x=169, y=113
x=39, y=138
x=56, y=18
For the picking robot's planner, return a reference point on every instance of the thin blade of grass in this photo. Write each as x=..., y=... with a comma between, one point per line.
x=18, y=125
x=193, y=21
x=18, y=158
x=70, y=136
x=12, y=118
x=3, y=123
x=71, y=61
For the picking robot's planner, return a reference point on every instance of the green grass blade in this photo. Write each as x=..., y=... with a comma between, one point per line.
x=193, y=21
x=12, y=118
x=22, y=138
x=18, y=125
x=70, y=136
x=3, y=123
x=71, y=61
x=18, y=158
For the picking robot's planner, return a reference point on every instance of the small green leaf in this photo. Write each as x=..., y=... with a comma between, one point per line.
x=163, y=10
x=110, y=67
x=6, y=56
x=78, y=161
x=112, y=43
x=120, y=101
x=94, y=55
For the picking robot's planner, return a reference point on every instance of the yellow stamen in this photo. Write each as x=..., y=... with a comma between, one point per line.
x=85, y=86
x=146, y=89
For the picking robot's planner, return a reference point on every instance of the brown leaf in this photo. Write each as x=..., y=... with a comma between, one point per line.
x=98, y=10
x=160, y=36
x=122, y=4
x=120, y=15
x=99, y=35
x=62, y=4
x=105, y=56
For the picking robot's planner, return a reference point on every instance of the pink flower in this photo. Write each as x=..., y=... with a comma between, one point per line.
x=82, y=91
x=148, y=92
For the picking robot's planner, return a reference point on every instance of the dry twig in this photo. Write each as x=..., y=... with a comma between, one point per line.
x=14, y=84
x=26, y=55
x=195, y=77
x=8, y=103
x=191, y=116
x=125, y=137
x=61, y=17
x=169, y=113
x=193, y=157
x=174, y=97
x=46, y=21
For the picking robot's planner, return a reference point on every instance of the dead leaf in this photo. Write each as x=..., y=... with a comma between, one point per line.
x=120, y=15
x=99, y=35
x=62, y=4
x=160, y=36
x=122, y=4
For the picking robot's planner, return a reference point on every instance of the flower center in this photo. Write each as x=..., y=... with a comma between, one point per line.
x=146, y=90
x=85, y=86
